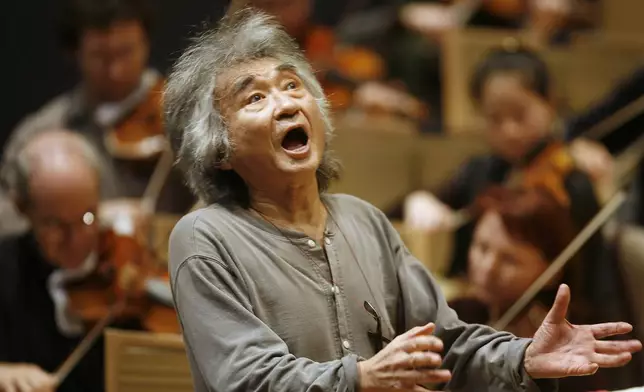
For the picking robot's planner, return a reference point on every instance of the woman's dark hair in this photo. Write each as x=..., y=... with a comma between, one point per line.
x=531, y=215
x=81, y=15
x=531, y=68
x=536, y=217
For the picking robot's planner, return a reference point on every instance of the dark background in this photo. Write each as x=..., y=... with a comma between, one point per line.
x=35, y=70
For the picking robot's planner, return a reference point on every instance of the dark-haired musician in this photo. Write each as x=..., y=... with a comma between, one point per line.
x=117, y=104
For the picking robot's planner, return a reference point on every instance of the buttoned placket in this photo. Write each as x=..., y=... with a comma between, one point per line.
x=342, y=315
x=326, y=253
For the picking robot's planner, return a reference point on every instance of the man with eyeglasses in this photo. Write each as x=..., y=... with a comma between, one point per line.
x=55, y=183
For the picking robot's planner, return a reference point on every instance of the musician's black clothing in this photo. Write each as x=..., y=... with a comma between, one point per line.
x=28, y=331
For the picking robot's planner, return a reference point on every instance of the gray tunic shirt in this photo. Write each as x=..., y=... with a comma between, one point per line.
x=265, y=309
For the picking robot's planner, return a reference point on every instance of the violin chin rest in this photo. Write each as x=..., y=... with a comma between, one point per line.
x=159, y=290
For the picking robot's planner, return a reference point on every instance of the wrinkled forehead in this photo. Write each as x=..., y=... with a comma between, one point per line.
x=236, y=79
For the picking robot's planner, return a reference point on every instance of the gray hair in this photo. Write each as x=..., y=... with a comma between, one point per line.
x=196, y=128
x=18, y=167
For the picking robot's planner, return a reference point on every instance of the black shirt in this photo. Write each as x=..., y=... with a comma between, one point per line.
x=28, y=331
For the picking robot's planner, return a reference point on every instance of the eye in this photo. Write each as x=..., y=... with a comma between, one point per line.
x=255, y=98
x=291, y=85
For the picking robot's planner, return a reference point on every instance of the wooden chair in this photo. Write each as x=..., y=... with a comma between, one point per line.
x=144, y=362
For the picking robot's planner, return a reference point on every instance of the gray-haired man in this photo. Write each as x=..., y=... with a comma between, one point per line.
x=280, y=286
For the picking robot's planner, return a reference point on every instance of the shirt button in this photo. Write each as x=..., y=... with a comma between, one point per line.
x=335, y=289
x=327, y=241
x=311, y=243
x=346, y=344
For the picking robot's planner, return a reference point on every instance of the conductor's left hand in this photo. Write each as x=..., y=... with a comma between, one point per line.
x=561, y=349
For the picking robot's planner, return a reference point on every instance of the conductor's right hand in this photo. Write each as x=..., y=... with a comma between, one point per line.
x=25, y=378
x=410, y=360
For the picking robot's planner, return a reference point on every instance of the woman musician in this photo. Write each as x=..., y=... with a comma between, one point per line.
x=511, y=87
x=518, y=234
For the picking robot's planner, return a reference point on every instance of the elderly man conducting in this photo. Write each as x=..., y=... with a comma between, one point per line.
x=280, y=286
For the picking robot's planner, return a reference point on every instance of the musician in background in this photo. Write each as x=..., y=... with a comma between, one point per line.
x=512, y=90
x=55, y=183
x=544, y=20
x=118, y=95
x=519, y=233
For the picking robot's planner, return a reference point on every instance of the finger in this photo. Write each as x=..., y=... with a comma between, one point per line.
x=22, y=385
x=610, y=329
x=426, y=329
x=617, y=346
x=419, y=360
x=411, y=377
x=557, y=313
x=423, y=343
x=610, y=361
x=8, y=387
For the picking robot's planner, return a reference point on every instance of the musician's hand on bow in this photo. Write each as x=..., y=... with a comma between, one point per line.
x=560, y=349
x=423, y=211
x=409, y=360
x=379, y=97
x=593, y=159
x=25, y=378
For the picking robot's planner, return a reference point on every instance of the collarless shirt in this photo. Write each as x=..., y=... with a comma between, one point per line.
x=263, y=308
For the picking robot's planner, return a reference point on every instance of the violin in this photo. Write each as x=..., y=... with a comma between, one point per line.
x=123, y=276
x=140, y=135
x=127, y=284
x=548, y=170
x=342, y=69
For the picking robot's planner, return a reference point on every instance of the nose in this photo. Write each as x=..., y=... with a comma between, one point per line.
x=116, y=70
x=511, y=129
x=285, y=106
x=488, y=267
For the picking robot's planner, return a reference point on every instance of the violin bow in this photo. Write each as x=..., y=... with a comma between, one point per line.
x=88, y=341
x=566, y=255
x=155, y=186
x=630, y=159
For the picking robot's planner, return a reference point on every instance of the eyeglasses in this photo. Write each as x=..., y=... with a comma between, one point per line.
x=376, y=337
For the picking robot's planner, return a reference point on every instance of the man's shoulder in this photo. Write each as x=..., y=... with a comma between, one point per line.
x=200, y=232
x=51, y=115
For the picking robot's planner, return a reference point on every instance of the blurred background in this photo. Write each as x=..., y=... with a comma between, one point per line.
x=441, y=107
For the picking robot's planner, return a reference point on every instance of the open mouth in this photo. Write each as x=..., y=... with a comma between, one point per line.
x=295, y=139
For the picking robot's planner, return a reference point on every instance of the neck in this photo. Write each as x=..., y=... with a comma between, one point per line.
x=296, y=207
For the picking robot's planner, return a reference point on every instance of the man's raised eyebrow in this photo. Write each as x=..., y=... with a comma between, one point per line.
x=242, y=84
x=286, y=67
